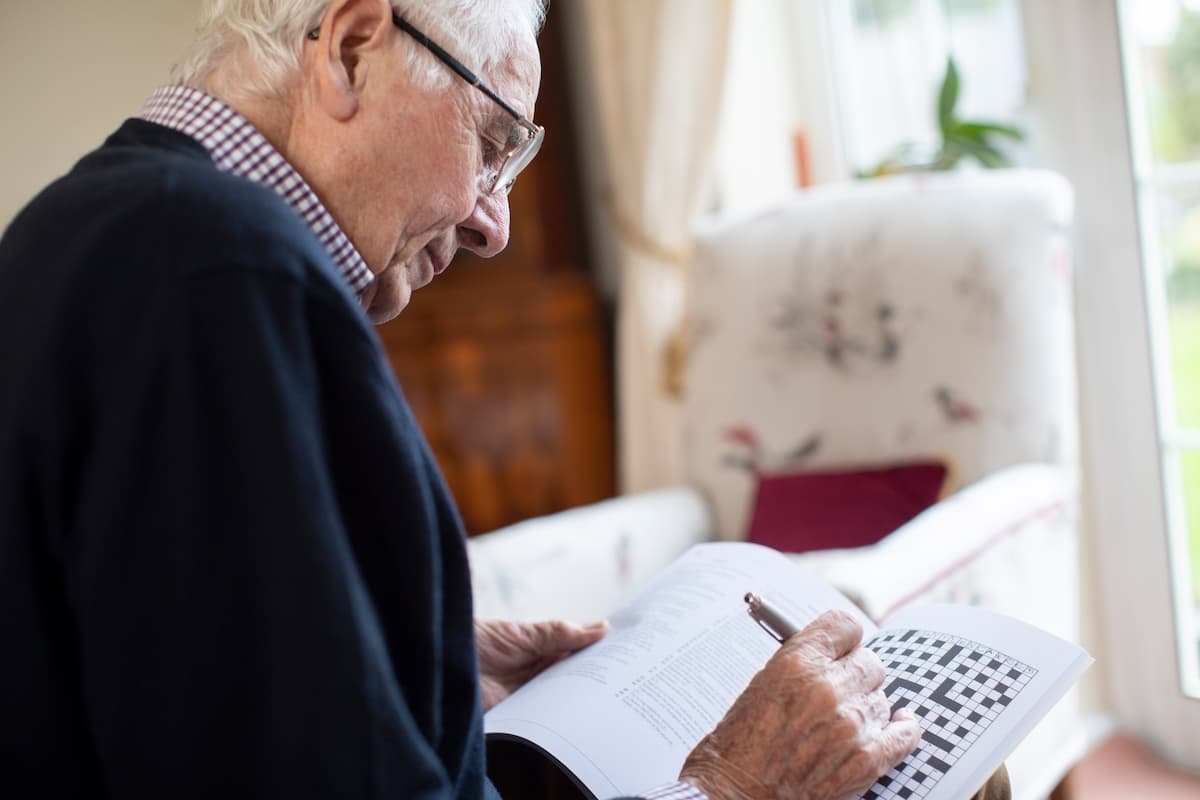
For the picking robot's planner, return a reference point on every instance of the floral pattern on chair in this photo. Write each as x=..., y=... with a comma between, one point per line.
x=886, y=321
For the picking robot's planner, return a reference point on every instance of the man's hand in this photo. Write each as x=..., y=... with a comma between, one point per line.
x=510, y=653
x=813, y=723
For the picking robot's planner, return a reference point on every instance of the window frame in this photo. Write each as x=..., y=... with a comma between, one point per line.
x=1080, y=101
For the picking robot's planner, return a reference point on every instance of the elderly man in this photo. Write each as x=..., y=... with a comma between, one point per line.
x=228, y=566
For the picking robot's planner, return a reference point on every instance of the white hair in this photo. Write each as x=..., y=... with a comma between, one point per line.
x=252, y=47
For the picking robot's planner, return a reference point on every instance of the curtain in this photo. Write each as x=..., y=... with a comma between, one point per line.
x=657, y=69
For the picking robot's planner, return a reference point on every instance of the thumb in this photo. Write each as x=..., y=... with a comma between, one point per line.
x=559, y=636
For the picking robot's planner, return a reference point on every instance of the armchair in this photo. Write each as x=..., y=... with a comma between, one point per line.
x=855, y=328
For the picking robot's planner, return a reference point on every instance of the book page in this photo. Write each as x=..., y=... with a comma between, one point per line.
x=623, y=714
x=978, y=681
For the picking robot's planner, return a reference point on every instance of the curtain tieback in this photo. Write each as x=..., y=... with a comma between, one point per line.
x=675, y=349
x=636, y=237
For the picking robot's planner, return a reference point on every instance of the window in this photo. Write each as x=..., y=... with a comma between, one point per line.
x=890, y=57
x=1161, y=50
x=820, y=91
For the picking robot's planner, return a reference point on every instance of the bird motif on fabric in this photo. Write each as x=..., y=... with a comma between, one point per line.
x=954, y=408
x=754, y=459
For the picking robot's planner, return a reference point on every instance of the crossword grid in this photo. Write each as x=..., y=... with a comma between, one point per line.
x=956, y=686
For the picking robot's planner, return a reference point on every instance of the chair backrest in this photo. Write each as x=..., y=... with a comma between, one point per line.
x=878, y=323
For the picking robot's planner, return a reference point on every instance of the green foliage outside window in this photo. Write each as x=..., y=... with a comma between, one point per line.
x=1174, y=106
x=881, y=13
x=1175, y=96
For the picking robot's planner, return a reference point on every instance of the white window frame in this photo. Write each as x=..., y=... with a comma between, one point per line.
x=1079, y=98
x=1149, y=180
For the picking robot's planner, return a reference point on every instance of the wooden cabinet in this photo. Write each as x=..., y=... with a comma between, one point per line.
x=511, y=386
x=506, y=362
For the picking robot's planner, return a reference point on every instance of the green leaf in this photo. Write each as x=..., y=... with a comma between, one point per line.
x=980, y=130
x=899, y=159
x=948, y=156
x=984, y=153
x=948, y=95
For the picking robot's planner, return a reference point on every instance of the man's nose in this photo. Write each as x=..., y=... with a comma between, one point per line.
x=485, y=231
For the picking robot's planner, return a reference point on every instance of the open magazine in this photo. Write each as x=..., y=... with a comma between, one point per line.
x=621, y=716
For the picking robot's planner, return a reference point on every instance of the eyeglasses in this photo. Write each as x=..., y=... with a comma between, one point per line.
x=512, y=151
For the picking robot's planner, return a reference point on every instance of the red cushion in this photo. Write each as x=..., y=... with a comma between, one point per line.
x=823, y=510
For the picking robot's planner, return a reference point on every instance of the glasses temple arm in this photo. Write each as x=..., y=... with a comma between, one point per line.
x=452, y=62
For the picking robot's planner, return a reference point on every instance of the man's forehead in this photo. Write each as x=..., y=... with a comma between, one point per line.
x=517, y=77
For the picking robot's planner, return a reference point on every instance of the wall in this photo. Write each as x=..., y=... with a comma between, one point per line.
x=70, y=72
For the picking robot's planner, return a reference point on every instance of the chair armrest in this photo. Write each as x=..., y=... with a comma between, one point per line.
x=583, y=563
x=935, y=549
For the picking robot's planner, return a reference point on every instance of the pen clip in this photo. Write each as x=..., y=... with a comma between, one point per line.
x=762, y=623
x=755, y=609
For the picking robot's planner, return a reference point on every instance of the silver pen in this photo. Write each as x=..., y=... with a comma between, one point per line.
x=769, y=618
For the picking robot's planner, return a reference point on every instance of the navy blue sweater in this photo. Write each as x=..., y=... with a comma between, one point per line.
x=228, y=565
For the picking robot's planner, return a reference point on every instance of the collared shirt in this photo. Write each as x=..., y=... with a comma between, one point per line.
x=238, y=148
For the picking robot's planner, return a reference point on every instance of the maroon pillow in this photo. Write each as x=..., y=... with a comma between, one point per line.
x=823, y=510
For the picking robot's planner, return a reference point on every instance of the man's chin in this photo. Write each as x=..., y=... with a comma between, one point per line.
x=389, y=299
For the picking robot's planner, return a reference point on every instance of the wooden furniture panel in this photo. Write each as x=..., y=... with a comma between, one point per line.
x=512, y=390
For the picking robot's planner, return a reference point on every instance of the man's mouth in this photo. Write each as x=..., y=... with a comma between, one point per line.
x=438, y=263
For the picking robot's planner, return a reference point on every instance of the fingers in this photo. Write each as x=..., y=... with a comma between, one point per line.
x=558, y=636
x=899, y=738
x=872, y=712
x=833, y=634
x=885, y=749
x=860, y=670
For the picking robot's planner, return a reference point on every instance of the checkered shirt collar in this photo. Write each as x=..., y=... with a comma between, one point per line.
x=238, y=148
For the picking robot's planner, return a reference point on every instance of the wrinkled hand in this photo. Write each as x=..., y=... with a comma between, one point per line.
x=813, y=723
x=510, y=653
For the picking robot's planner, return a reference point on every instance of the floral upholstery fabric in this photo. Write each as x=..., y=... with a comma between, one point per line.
x=881, y=322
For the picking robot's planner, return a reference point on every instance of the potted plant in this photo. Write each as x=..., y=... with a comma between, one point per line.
x=960, y=138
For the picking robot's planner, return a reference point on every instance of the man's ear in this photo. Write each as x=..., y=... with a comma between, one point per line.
x=352, y=35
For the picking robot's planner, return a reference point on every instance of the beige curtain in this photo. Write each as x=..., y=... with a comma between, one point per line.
x=657, y=69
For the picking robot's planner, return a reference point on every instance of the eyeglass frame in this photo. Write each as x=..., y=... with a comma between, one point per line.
x=516, y=159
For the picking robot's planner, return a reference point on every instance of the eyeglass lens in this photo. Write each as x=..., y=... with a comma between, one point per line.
x=529, y=143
